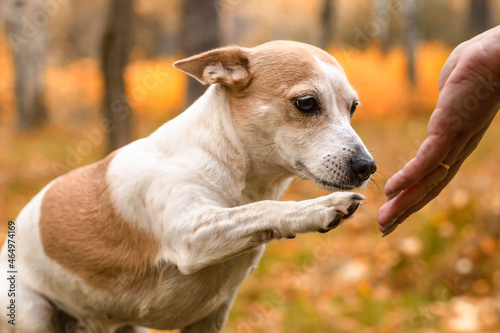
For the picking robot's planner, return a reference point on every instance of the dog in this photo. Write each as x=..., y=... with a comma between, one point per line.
x=161, y=233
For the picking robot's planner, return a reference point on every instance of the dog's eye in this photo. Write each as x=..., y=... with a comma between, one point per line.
x=353, y=107
x=306, y=104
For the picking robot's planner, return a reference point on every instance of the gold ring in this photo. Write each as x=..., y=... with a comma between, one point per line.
x=444, y=165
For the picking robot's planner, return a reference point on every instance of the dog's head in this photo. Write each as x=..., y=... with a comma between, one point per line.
x=291, y=100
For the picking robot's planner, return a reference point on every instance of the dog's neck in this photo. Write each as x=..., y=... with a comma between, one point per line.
x=241, y=167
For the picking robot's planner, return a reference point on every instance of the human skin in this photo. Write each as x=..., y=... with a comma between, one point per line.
x=469, y=98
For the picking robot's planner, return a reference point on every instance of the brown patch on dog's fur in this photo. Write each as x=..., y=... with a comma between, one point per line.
x=81, y=230
x=226, y=65
x=270, y=73
x=279, y=73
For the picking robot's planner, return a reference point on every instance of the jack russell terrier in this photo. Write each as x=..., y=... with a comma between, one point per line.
x=162, y=232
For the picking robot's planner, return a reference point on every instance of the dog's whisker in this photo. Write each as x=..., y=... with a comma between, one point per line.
x=380, y=175
x=362, y=84
x=269, y=153
x=274, y=154
x=301, y=177
x=320, y=180
x=267, y=145
x=370, y=191
x=371, y=181
x=321, y=177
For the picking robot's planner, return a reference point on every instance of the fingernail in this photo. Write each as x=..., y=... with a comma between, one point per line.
x=390, y=230
x=389, y=224
x=392, y=196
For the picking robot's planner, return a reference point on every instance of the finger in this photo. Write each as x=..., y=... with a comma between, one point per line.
x=431, y=195
x=395, y=209
x=466, y=151
x=399, y=204
x=432, y=151
x=471, y=145
x=410, y=196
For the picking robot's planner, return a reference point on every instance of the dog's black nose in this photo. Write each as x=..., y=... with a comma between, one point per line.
x=363, y=167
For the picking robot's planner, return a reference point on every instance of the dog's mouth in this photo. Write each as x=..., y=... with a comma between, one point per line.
x=333, y=186
x=304, y=173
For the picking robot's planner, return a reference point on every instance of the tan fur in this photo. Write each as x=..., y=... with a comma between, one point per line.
x=207, y=67
x=164, y=235
x=81, y=231
x=269, y=72
x=280, y=73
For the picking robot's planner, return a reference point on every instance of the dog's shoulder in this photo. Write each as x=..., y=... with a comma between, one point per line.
x=81, y=229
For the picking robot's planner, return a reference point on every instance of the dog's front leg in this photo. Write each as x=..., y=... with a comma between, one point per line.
x=221, y=233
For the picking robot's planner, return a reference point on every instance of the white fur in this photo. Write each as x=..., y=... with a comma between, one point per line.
x=194, y=168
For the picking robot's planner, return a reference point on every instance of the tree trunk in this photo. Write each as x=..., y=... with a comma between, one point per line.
x=201, y=33
x=327, y=23
x=382, y=15
x=479, y=16
x=25, y=23
x=410, y=35
x=227, y=22
x=115, y=49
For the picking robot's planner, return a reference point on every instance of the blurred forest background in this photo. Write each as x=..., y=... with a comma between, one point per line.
x=78, y=79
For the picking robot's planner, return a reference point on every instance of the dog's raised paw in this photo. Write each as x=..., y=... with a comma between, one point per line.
x=343, y=206
x=351, y=210
x=357, y=196
x=336, y=221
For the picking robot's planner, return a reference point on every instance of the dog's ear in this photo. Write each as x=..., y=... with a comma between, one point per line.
x=228, y=66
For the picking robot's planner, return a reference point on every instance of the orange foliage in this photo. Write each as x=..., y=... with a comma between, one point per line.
x=73, y=88
x=7, y=97
x=382, y=83
x=155, y=88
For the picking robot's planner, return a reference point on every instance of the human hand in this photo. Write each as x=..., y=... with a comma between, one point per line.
x=468, y=101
